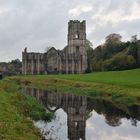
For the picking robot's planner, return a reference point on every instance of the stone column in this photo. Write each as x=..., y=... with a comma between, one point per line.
x=32, y=66
x=67, y=64
x=25, y=66
x=24, y=63
x=38, y=64
x=57, y=62
x=60, y=65
x=79, y=66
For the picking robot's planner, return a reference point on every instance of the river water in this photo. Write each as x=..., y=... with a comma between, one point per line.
x=83, y=118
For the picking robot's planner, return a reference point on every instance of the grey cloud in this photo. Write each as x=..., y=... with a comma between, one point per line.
x=40, y=23
x=128, y=28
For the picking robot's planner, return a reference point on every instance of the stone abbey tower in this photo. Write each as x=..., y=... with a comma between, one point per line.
x=72, y=59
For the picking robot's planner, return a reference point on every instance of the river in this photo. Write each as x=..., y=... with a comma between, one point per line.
x=84, y=118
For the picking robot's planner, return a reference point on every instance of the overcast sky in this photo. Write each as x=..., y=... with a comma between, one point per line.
x=37, y=24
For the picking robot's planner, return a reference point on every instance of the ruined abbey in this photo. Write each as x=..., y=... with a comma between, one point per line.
x=72, y=59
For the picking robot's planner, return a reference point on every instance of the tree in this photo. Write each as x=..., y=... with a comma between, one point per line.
x=113, y=38
x=89, y=56
x=115, y=54
x=133, y=48
x=88, y=44
x=16, y=61
x=134, y=38
x=112, y=45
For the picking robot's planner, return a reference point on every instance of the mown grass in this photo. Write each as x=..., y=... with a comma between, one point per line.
x=128, y=78
x=120, y=86
x=17, y=112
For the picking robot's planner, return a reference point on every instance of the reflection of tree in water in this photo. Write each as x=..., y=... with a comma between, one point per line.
x=134, y=122
x=78, y=110
x=113, y=121
x=114, y=112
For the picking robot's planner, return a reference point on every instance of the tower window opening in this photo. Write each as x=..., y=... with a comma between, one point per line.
x=77, y=35
x=76, y=124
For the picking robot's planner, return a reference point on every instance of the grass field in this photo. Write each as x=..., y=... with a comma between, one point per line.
x=118, y=85
x=129, y=78
x=16, y=114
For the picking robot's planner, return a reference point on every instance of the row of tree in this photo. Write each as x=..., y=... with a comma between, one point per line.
x=114, y=54
x=11, y=68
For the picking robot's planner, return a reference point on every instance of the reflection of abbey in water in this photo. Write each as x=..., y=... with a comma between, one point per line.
x=78, y=109
x=72, y=59
x=74, y=106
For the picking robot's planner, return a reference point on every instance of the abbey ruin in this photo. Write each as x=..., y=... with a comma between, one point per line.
x=72, y=59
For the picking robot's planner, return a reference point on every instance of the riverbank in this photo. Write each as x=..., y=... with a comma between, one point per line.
x=16, y=114
x=119, y=86
x=18, y=110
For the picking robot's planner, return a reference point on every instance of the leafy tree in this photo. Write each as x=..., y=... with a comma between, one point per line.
x=113, y=38
x=117, y=55
x=133, y=50
x=11, y=68
x=112, y=45
x=134, y=38
x=89, y=56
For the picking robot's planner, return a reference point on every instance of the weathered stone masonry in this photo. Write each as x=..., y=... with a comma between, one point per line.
x=72, y=59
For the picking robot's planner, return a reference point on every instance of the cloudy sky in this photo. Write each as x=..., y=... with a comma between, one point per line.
x=37, y=24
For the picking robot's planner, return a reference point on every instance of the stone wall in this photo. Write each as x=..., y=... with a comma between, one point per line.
x=32, y=63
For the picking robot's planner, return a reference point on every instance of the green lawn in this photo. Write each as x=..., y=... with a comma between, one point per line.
x=129, y=78
x=118, y=85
